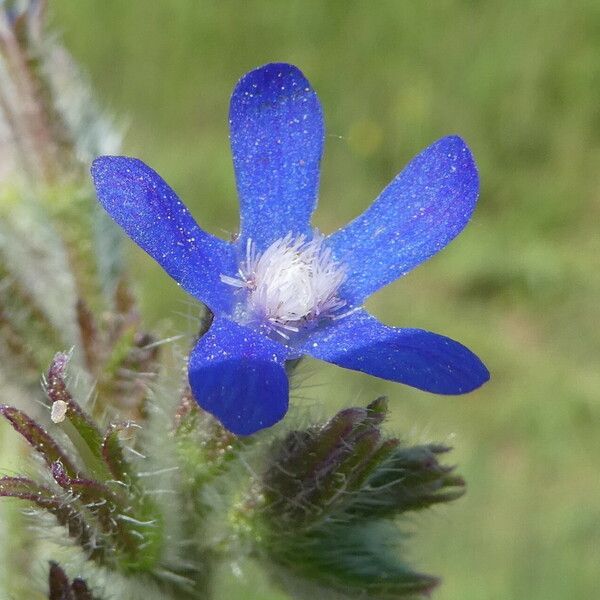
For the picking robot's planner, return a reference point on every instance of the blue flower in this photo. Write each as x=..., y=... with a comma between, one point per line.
x=281, y=290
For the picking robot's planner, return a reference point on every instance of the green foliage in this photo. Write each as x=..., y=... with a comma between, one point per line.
x=520, y=80
x=320, y=512
x=112, y=518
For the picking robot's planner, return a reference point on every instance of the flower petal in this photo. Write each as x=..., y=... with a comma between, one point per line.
x=238, y=375
x=418, y=358
x=425, y=207
x=150, y=212
x=277, y=136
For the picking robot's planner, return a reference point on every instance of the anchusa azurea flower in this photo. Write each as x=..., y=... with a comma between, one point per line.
x=282, y=290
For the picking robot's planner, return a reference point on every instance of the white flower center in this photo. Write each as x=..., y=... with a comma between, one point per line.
x=292, y=282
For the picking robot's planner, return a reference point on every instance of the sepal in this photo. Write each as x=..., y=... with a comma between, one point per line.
x=410, y=479
x=322, y=512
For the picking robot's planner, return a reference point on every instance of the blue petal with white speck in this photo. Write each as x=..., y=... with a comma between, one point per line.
x=418, y=358
x=277, y=136
x=237, y=369
x=140, y=201
x=239, y=376
x=425, y=207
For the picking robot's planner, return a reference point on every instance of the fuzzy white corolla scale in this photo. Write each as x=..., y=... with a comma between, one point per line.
x=292, y=282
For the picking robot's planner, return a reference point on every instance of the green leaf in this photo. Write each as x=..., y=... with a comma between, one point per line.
x=112, y=453
x=128, y=519
x=82, y=431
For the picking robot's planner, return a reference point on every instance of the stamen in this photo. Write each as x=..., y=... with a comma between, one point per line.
x=346, y=314
x=234, y=281
x=294, y=281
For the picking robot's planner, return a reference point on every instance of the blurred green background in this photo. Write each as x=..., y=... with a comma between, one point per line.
x=520, y=81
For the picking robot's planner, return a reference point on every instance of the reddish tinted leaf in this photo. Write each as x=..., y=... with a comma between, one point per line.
x=38, y=438
x=60, y=588
x=80, y=590
x=58, y=583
